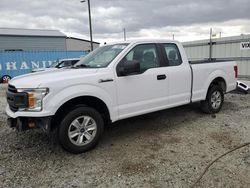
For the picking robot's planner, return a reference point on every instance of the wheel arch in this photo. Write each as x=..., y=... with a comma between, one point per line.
x=90, y=101
x=220, y=81
x=218, y=77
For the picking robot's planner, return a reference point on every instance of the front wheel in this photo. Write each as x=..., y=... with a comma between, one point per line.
x=80, y=130
x=214, y=100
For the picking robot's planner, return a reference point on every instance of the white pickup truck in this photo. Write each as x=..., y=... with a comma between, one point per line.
x=114, y=82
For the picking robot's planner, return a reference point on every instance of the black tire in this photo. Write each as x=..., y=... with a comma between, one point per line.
x=5, y=79
x=68, y=122
x=207, y=105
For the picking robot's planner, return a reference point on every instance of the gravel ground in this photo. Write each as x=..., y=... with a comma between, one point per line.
x=170, y=148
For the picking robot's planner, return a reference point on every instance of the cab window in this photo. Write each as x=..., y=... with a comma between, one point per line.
x=146, y=54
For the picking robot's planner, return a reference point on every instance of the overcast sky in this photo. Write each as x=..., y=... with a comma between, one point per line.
x=186, y=19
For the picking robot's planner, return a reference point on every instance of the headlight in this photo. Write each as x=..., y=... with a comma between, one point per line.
x=35, y=98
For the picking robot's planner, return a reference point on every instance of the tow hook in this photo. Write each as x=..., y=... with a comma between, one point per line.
x=242, y=87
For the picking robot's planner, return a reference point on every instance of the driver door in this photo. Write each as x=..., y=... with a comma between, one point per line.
x=145, y=91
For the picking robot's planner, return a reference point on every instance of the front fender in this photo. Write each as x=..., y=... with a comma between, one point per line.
x=56, y=99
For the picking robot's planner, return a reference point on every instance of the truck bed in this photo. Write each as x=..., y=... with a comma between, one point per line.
x=205, y=71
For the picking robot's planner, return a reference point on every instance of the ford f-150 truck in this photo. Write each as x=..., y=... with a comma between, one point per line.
x=115, y=82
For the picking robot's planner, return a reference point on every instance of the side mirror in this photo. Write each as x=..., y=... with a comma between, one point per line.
x=129, y=68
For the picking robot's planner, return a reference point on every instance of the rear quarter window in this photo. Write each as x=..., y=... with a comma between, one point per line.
x=173, y=54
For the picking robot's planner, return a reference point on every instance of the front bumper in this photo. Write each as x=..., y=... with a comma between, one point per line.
x=26, y=123
x=26, y=114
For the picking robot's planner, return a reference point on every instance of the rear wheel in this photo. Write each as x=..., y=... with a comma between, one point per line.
x=80, y=130
x=5, y=79
x=214, y=100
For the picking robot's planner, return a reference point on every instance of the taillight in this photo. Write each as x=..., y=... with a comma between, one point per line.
x=236, y=71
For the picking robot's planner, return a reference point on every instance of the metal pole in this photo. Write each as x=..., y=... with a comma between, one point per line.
x=173, y=36
x=210, y=44
x=90, y=27
x=124, y=34
x=90, y=24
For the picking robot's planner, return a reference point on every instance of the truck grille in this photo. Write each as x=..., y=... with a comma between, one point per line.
x=10, y=97
x=12, y=89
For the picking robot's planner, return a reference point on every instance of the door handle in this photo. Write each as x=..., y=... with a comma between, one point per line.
x=161, y=77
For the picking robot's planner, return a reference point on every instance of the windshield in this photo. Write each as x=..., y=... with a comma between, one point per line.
x=101, y=57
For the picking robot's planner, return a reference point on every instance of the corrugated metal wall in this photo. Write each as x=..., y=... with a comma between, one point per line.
x=228, y=48
x=32, y=43
x=18, y=63
x=74, y=44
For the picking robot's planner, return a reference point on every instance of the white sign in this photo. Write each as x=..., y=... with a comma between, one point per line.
x=245, y=46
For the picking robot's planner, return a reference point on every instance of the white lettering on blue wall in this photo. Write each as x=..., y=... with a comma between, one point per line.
x=44, y=64
x=11, y=66
x=24, y=66
x=50, y=63
x=35, y=65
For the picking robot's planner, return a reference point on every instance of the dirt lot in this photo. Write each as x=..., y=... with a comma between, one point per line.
x=170, y=148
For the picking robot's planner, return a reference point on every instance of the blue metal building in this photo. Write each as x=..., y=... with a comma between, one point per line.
x=17, y=63
x=22, y=50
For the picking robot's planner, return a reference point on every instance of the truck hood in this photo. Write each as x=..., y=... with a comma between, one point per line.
x=43, y=69
x=44, y=78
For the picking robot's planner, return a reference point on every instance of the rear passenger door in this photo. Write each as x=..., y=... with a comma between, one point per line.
x=179, y=75
x=145, y=91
